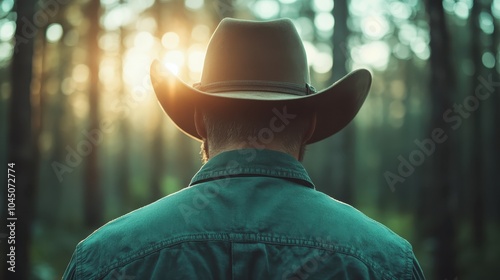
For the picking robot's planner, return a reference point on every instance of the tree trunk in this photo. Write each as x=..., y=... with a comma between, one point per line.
x=22, y=140
x=438, y=190
x=124, y=186
x=158, y=163
x=92, y=193
x=477, y=141
x=495, y=148
x=342, y=144
x=60, y=118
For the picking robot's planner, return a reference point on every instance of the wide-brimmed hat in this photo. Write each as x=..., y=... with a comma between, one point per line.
x=251, y=64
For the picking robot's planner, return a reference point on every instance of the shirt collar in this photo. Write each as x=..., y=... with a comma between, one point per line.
x=253, y=162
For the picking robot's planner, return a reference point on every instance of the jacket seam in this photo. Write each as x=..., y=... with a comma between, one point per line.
x=216, y=175
x=225, y=237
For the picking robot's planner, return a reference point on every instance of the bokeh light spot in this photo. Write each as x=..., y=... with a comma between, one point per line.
x=200, y=33
x=6, y=6
x=495, y=8
x=170, y=40
x=193, y=4
x=7, y=30
x=322, y=62
x=324, y=21
x=5, y=51
x=80, y=73
x=407, y=33
x=401, y=51
x=488, y=60
x=322, y=5
x=449, y=6
x=144, y=41
x=374, y=54
x=54, y=32
x=109, y=2
x=119, y=16
x=266, y=9
x=461, y=10
x=140, y=5
x=486, y=23
x=400, y=10
x=375, y=27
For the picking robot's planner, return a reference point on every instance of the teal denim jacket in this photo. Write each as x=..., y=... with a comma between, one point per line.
x=247, y=214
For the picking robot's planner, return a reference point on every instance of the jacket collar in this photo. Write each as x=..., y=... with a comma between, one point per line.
x=253, y=162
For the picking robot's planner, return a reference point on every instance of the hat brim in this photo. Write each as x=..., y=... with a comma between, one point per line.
x=335, y=106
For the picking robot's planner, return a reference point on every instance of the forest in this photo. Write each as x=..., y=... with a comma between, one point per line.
x=86, y=141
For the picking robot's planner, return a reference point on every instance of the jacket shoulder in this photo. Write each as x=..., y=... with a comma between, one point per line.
x=362, y=237
x=131, y=236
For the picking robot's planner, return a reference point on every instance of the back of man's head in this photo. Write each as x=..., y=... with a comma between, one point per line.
x=276, y=128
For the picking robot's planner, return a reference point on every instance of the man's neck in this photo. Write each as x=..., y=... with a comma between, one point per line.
x=234, y=146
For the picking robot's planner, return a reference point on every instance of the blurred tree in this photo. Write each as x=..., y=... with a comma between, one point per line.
x=23, y=137
x=43, y=71
x=494, y=190
x=123, y=166
x=59, y=118
x=158, y=162
x=93, y=194
x=477, y=177
x=437, y=191
x=345, y=168
x=341, y=164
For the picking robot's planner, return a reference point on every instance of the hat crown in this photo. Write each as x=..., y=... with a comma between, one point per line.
x=269, y=51
x=256, y=65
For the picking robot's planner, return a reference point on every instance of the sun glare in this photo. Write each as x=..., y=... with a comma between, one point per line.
x=172, y=67
x=174, y=61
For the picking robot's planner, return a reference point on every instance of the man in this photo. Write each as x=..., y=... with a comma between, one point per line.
x=251, y=212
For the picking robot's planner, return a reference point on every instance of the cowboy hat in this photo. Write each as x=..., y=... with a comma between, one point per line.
x=250, y=64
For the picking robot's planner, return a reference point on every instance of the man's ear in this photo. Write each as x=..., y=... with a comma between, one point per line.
x=199, y=123
x=312, y=126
